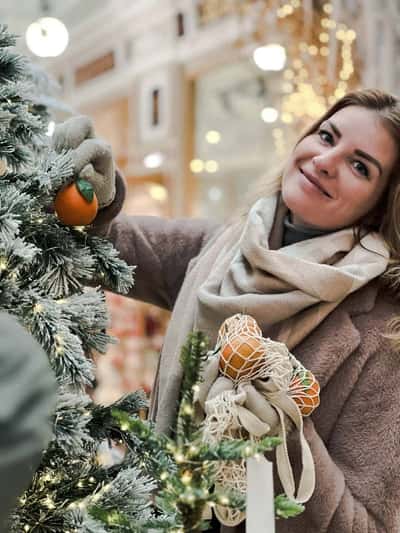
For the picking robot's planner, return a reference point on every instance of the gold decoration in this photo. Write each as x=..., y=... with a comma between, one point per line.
x=320, y=62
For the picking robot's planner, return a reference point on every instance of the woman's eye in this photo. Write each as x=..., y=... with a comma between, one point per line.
x=361, y=168
x=326, y=136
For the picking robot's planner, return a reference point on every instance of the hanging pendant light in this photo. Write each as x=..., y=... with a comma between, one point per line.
x=47, y=36
x=270, y=57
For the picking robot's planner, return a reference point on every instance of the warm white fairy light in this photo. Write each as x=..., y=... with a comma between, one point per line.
x=211, y=166
x=186, y=477
x=49, y=503
x=179, y=457
x=248, y=451
x=196, y=166
x=213, y=137
x=188, y=409
x=307, y=96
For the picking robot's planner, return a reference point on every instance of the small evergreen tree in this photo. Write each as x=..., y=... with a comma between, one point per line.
x=44, y=272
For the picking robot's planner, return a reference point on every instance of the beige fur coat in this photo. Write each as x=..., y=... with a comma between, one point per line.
x=355, y=433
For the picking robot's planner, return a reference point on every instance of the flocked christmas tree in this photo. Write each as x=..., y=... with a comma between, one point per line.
x=45, y=271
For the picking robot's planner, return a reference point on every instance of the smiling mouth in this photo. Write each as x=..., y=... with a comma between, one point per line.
x=316, y=184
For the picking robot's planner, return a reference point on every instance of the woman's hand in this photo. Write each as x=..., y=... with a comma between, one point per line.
x=92, y=158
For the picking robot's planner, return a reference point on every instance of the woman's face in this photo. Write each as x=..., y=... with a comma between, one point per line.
x=337, y=174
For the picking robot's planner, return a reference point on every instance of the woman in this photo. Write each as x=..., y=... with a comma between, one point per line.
x=306, y=264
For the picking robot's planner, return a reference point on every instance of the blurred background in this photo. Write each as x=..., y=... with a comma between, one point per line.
x=200, y=99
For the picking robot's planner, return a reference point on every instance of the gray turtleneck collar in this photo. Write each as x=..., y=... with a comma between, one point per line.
x=293, y=233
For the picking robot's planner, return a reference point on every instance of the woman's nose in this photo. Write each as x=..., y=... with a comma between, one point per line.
x=325, y=164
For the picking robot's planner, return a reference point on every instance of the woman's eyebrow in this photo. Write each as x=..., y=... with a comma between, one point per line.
x=358, y=152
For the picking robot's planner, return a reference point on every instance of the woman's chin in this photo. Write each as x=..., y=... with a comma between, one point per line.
x=300, y=214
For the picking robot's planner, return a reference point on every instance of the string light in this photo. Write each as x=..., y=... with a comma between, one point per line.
x=248, y=451
x=213, y=137
x=196, y=166
x=188, y=409
x=179, y=457
x=186, y=477
x=48, y=502
x=211, y=166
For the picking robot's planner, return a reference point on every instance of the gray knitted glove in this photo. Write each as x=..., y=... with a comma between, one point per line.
x=92, y=158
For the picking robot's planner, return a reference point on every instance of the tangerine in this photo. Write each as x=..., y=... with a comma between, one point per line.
x=242, y=356
x=238, y=324
x=76, y=204
x=304, y=389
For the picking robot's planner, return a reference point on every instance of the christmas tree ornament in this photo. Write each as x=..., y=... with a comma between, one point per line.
x=305, y=389
x=76, y=204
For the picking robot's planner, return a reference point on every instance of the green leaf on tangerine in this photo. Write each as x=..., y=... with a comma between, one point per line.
x=85, y=188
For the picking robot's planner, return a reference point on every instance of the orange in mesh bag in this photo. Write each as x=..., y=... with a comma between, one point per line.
x=243, y=350
x=304, y=389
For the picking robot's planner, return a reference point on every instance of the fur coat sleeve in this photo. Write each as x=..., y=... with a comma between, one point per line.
x=160, y=248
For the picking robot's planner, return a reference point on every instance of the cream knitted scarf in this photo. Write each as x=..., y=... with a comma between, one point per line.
x=291, y=290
